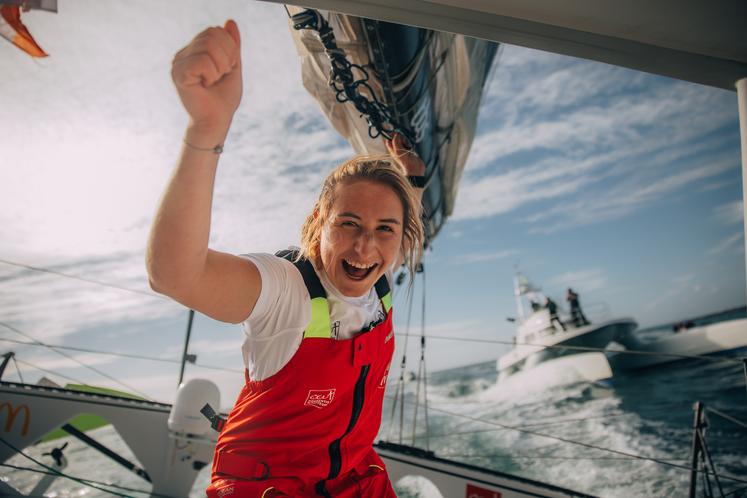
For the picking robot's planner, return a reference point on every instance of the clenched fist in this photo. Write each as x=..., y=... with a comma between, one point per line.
x=207, y=75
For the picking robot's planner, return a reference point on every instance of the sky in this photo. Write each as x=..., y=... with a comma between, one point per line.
x=623, y=185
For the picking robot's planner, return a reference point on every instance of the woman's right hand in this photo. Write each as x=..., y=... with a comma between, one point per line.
x=207, y=75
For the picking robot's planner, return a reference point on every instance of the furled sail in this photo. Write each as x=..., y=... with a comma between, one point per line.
x=429, y=82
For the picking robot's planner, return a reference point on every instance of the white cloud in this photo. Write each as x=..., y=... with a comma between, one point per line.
x=558, y=129
x=733, y=241
x=481, y=257
x=588, y=280
x=730, y=213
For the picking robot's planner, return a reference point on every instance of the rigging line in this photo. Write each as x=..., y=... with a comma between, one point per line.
x=542, y=457
x=586, y=445
x=55, y=471
x=54, y=373
x=585, y=348
x=540, y=424
x=400, y=384
x=93, y=369
x=20, y=376
x=727, y=417
x=735, y=491
x=123, y=355
x=87, y=481
x=82, y=279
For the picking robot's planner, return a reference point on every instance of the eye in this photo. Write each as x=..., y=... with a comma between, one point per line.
x=349, y=224
x=386, y=228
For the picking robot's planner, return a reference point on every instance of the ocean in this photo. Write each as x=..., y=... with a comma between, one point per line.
x=641, y=416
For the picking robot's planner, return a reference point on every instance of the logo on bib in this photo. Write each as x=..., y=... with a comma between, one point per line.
x=320, y=398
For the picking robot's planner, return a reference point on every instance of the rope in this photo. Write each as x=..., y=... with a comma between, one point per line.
x=103, y=374
x=540, y=424
x=55, y=471
x=53, y=373
x=400, y=385
x=82, y=279
x=123, y=355
x=727, y=417
x=542, y=457
x=584, y=348
x=15, y=362
x=587, y=445
x=86, y=481
x=345, y=85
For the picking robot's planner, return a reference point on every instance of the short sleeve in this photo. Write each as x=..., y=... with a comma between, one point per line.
x=283, y=301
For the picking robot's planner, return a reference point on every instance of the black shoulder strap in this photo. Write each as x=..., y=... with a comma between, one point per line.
x=310, y=278
x=382, y=287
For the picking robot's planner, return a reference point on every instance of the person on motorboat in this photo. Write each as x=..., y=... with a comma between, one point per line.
x=317, y=321
x=577, y=314
x=552, y=308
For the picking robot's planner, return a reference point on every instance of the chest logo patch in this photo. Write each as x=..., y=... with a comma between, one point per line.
x=320, y=398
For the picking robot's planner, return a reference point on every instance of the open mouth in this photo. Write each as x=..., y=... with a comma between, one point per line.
x=357, y=271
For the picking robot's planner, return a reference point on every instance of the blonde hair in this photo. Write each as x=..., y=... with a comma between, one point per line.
x=380, y=169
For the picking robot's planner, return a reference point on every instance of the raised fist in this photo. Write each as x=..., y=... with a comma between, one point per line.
x=207, y=75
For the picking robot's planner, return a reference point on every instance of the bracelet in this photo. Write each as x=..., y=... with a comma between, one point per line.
x=416, y=181
x=218, y=149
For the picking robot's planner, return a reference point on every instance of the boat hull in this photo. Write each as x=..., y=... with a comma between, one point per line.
x=729, y=337
x=551, y=345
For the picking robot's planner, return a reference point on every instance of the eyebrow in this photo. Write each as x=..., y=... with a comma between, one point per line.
x=348, y=214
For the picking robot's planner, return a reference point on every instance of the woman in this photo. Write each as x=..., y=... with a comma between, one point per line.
x=318, y=324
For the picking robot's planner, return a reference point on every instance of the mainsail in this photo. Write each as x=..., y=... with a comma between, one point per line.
x=430, y=82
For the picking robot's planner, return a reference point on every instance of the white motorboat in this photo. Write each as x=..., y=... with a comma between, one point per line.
x=729, y=337
x=560, y=346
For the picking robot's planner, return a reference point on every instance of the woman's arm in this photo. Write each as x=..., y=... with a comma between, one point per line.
x=412, y=165
x=207, y=75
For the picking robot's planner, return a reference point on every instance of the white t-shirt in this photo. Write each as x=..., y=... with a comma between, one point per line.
x=274, y=330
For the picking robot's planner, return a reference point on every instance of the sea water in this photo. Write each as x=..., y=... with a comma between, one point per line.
x=560, y=435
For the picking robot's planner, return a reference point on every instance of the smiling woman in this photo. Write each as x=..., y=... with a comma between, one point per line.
x=318, y=322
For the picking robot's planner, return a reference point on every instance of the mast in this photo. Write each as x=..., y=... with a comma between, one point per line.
x=742, y=103
x=517, y=294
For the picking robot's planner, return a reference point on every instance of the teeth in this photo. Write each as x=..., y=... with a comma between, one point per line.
x=359, y=265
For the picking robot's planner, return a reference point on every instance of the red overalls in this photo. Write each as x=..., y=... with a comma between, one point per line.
x=308, y=430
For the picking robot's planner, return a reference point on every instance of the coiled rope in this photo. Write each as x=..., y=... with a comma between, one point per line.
x=343, y=81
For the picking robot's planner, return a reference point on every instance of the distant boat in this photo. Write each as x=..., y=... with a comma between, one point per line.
x=728, y=337
x=540, y=342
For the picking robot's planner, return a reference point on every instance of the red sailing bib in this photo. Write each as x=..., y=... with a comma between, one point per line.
x=315, y=420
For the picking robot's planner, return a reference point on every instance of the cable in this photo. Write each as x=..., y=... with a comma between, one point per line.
x=122, y=355
x=55, y=471
x=542, y=457
x=539, y=424
x=84, y=480
x=103, y=374
x=727, y=417
x=82, y=279
x=15, y=362
x=584, y=348
x=586, y=445
x=54, y=373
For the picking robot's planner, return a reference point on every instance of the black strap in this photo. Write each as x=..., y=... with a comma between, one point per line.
x=310, y=278
x=382, y=287
x=216, y=421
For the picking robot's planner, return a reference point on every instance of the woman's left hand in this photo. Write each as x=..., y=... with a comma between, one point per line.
x=404, y=156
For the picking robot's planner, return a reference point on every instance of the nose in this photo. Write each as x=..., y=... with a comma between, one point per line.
x=364, y=242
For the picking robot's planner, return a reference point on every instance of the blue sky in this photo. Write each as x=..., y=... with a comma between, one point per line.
x=623, y=185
